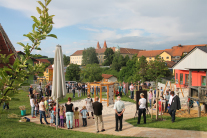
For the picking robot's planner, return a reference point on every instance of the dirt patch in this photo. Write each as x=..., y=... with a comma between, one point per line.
x=193, y=113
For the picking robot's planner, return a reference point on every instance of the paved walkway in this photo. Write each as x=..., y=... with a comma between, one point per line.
x=128, y=129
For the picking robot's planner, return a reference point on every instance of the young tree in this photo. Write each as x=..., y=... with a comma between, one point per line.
x=89, y=56
x=73, y=72
x=66, y=60
x=126, y=59
x=116, y=63
x=91, y=73
x=156, y=69
x=12, y=76
x=109, y=54
x=141, y=68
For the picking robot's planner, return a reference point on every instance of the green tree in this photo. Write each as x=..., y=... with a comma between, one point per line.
x=109, y=54
x=110, y=71
x=126, y=59
x=156, y=69
x=91, y=73
x=89, y=56
x=66, y=60
x=141, y=70
x=116, y=63
x=12, y=76
x=51, y=60
x=73, y=72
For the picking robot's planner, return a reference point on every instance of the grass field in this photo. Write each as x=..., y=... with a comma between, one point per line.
x=12, y=128
x=198, y=124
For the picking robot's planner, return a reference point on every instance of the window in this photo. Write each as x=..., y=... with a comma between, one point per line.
x=162, y=57
x=186, y=79
x=177, y=56
x=181, y=78
x=167, y=57
x=203, y=80
x=150, y=57
x=46, y=70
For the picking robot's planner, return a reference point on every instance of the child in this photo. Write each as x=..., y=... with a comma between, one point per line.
x=50, y=99
x=161, y=98
x=36, y=108
x=76, y=115
x=51, y=117
x=84, y=114
x=62, y=113
x=46, y=107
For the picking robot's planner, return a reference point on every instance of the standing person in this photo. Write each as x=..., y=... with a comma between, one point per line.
x=32, y=103
x=155, y=95
x=61, y=116
x=42, y=111
x=119, y=110
x=150, y=98
x=73, y=90
x=67, y=87
x=98, y=107
x=30, y=91
x=79, y=90
x=132, y=90
x=174, y=104
x=161, y=90
x=50, y=88
x=69, y=113
x=92, y=90
x=83, y=89
x=46, y=90
x=167, y=98
x=76, y=116
x=120, y=90
x=46, y=107
x=96, y=90
x=86, y=88
x=36, y=108
x=52, y=117
x=40, y=89
x=142, y=108
x=84, y=113
x=89, y=106
x=124, y=88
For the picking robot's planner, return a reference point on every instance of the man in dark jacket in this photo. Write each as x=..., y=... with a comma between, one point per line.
x=98, y=107
x=174, y=104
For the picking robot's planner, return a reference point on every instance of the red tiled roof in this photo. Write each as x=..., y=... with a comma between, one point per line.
x=98, y=46
x=174, y=51
x=50, y=67
x=43, y=61
x=129, y=51
x=170, y=63
x=107, y=76
x=149, y=53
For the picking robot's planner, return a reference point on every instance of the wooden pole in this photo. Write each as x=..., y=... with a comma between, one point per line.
x=170, y=86
x=180, y=88
x=165, y=86
x=100, y=94
x=157, y=105
x=94, y=92
x=107, y=95
x=189, y=93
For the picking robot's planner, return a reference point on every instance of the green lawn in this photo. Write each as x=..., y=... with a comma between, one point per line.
x=12, y=128
x=198, y=124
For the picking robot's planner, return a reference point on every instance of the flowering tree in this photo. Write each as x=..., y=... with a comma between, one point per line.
x=12, y=76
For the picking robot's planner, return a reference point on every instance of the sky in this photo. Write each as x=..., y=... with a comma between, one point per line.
x=138, y=24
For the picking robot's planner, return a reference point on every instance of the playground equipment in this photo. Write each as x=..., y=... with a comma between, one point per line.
x=110, y=91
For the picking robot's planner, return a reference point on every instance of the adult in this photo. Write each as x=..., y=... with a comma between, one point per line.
x=73, y=90
x=161, y=90
x=132, y=90
x=150, y=98
x=92, y=90
x=120, y=90
x=86, y=88
x=40, y=89
x=46, y=90
x=30, y=91
x=79, y=89
x=69, y=113
x=142, y=108
x=119, y=110
x=174, y=103
x=50, y=89
x=32, y=104
x=124, y=88
x=42, y=110
x=98, y=107
x=167, y=98
x=89, y=106
x=83, y=89
x=67, y=87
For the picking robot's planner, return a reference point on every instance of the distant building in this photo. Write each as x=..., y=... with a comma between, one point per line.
x=196, y=62
x=109, y=78
x=76, y=58
x=174, y=54
x=42, y=61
